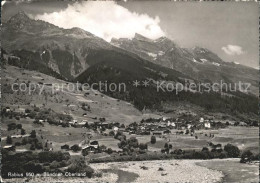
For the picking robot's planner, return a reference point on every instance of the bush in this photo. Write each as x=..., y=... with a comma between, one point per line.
x=232, y=151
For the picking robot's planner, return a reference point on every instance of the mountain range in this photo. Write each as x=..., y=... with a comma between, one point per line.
x=77, y=55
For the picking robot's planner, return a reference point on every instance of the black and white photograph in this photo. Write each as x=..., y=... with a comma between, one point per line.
x=129, y=91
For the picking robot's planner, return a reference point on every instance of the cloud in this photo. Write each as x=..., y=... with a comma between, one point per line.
x=105, y=20
x=233, y=50
x=2, y=3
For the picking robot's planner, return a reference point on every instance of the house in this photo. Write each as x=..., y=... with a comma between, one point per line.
x=84, y=144
x=207, y=125
x=94, y=144
x=91, y=122
x=104, y=124
x=80, y=124
x=90, y=149
x=9, y=148
x=201, y=120
x=164, y=118
x=242, y=124
x=173, y=124
x=167, y=132
x=115, y=129
x=41, y=120
x=189, y=126
x=16, y=136
x=157, y=133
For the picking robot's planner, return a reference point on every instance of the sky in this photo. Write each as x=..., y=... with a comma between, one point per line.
x=230, y=29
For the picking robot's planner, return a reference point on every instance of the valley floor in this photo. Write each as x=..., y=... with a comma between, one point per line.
x=195, y=171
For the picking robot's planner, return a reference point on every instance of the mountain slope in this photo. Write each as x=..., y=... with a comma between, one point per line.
x=119, y=68
x=76, y=55
x=62, y=50
x=199, y=63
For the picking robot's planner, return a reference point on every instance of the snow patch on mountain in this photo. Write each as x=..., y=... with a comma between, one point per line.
x=203, y=60
x=152, y=54
x=216, y=64
x=161, y=53
x=194, y=60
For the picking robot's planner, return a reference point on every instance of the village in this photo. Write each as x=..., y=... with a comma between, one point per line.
x=158, y=127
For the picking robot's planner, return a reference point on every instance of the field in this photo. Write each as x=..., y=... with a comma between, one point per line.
x=246, y=138
x=63, y=100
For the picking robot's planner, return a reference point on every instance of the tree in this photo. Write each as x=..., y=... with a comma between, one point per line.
x=19, y=126
x=111, y=133
x=38, y=145
x=33, y=134
x=22, y=131
x=166, y=146
x=102, y=147
x=67, y=147
x=109, y=151
x=133, y=142
x=24, y=141
x=153, y=139
x=247, y=156
x=9, y=140
x=11, y=126
x=84, y=153
x=79, y=166
x=75, y=148
x=32, y=147
x=232, y=151
x=142, y=146
x=205, y=149
x=122, y=144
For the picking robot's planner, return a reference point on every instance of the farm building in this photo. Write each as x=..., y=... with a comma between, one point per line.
x=207, y=125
